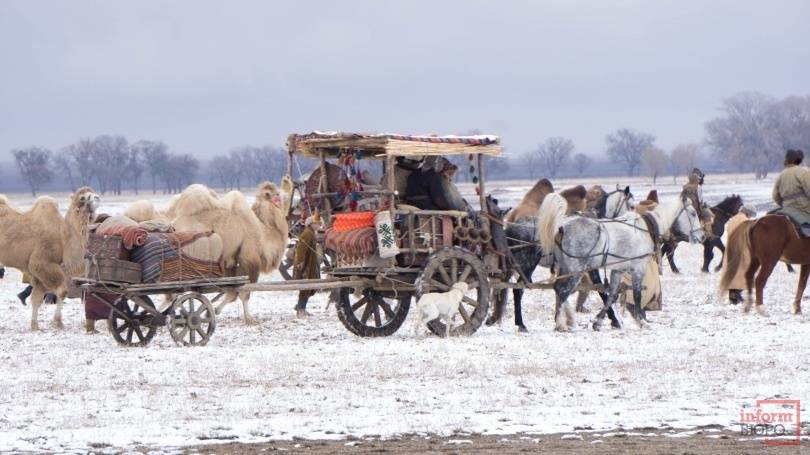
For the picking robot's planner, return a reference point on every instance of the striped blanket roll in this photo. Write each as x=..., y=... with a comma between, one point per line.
x=164, y=257
x=355, y=243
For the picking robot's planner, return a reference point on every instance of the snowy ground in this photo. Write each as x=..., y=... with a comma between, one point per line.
x=698, y=363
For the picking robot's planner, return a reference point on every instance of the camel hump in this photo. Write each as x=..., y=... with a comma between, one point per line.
x=4, y=200
x=234, y=201
x=140, y=211
x=195, y=199
x=45, y=204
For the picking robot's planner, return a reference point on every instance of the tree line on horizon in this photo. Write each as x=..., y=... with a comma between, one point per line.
x=750, y=135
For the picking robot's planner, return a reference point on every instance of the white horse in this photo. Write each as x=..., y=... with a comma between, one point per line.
x=620, y=245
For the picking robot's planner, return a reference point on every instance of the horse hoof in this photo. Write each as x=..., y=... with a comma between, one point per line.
x=596, y=326
x=761, y=310
x=522, y=329
x=57, y=325
x=560, y=328
x=251, y=321
x=490, y=321
x=35, y=327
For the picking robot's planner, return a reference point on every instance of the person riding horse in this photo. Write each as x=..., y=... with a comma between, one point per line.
x=791, y=192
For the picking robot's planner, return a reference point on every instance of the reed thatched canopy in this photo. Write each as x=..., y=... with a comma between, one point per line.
x=381, y=145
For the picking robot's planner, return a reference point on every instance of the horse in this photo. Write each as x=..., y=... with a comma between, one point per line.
x=767, y=240
x=721, y=213
x=622, y=245
x=522, y=238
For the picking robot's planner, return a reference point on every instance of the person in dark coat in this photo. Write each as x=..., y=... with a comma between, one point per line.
x=307, y=263
x=433, y=188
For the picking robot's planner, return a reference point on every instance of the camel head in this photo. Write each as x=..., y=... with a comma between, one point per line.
x=268, y=191
x=85, y=202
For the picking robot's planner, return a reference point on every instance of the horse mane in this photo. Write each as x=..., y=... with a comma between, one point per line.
x=739, y=241
x=551, y=212
x=727, y=204
x=531, y=201
x=601, y=204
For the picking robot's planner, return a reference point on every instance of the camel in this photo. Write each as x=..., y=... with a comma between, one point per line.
x=530, y=204
x=46, y=245
x=144, y=210
x=254, y=238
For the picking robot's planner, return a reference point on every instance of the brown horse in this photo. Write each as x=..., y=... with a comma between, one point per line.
x=767, y=240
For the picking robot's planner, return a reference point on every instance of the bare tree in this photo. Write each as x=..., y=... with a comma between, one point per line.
x=34, y=164
x=554, y=154
x=683, y=159
x=154, y=156
x=135, y=167
x=582, y=162
x=110, y=154
x=220, y=170
x=747, y=133
x=793, y=117
x=627, y=145
x=82, y=155
x=531, y=162
x=655, y=161
x=495, y=166
x=63, y=164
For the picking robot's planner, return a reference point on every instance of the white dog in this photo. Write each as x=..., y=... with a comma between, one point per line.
x=440, y=304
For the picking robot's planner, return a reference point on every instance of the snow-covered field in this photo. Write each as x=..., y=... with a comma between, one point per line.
x=698, y=363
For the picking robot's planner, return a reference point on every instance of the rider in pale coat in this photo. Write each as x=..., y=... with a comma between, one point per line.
x=791, y=191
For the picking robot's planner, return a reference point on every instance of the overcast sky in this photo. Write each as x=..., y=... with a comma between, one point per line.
x=207, y=76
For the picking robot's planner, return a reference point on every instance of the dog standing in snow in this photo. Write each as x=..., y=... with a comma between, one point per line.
x=440, y=305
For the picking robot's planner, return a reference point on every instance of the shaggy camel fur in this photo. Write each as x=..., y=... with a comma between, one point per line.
x=46, y=245
x=254, y=238
x=144, y=210
x=530, y=204
x=575, y=196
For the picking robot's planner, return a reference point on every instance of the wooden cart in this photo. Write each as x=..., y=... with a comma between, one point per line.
x=134, y=319
x=434, y=249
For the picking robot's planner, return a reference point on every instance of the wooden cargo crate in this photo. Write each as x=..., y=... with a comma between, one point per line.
x=106, y=247
x=103, y=269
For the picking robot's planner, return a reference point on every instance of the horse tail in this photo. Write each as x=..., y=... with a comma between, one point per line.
x=549, y=217
x=739, y=241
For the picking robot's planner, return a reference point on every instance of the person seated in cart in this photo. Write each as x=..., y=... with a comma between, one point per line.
x=432, y=187
x=307, y=263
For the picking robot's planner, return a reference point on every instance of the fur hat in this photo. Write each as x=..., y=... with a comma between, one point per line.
x=794, y=157
x=749, y=210
x=314, y=218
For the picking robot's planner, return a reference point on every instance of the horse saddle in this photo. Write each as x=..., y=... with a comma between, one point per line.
x=799, y=219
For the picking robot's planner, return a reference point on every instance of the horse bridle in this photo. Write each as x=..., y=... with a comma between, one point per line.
x=625, y=201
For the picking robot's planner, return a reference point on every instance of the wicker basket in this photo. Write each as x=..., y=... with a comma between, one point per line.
x=103, y=269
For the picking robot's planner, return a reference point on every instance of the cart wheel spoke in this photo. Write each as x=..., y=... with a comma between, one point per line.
x=469, y=301
x=191, y=335
x=453, y=270
x=191, y=307
x=445, y=276
x=129, y=333
x=441, y=286
x=138, y=332
x=465, y=273
x=377, y=318
x=203, y=335
x=464, y=315
x=360, y=303
x=367, y=313
x=389, y=313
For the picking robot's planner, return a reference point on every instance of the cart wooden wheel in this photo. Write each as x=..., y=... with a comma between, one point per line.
x=192, y=319
x=448, y=267
x=374, y=314
x=130, y=323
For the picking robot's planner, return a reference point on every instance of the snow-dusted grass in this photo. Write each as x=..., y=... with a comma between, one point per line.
x=698, y=363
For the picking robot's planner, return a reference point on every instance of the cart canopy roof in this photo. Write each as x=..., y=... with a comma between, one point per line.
x=332, y=142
